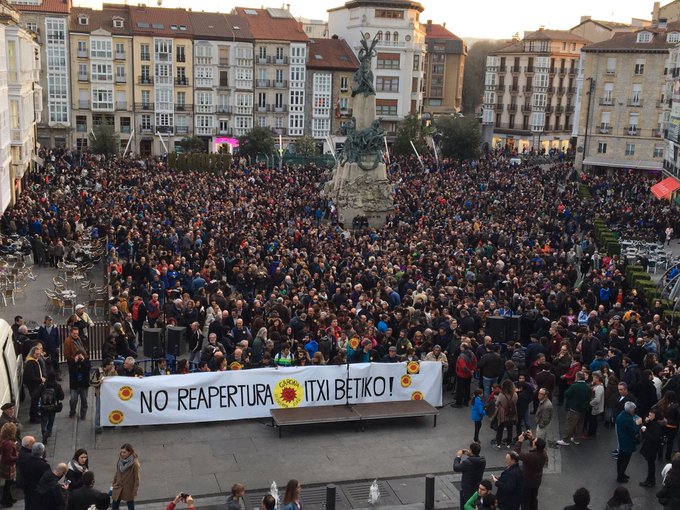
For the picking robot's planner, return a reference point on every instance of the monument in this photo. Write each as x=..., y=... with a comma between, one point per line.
x=359, y=188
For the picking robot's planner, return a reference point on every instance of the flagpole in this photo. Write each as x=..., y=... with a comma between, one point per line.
x=420, y=160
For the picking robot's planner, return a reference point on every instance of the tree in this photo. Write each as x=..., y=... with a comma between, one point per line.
x=192, y=144
x=461, y=137
x=259, y=140
x=475, y=72
x=305, y=146
x=104, y=140
x=410, y=129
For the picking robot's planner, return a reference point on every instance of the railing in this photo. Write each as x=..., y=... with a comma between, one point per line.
x=277, y=61
x=281, y=108
x=223, y=109
x=81, y=128
x=145, y=80
x=223, y=61
x=515, y=69
x=181, y=58
x=514, y=88
x=631, y=131
x=499, y=107
x=121, y=105
x=526, y=108
x=636, y=103
x=182, y=130
x=512, y=107
x=549, y=109
x=529, y=69
x=263, y=83
x=345, y=112
x=120, y=79
x=120, y=56
x=82, y=77
x=143, y=106
x=168, y=130
x=606, y=101
x=96, y=335
x=145, y=57
x=527, y=88
x=283, y=84
x=502, y=69
x=261, y=60
x=491, y=86
x=82, y=53
x=182, y=80
x=559, y=109
x=146, y=129
x=605, y=129
x=223, y=84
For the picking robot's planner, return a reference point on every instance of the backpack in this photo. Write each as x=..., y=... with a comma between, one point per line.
x=48, y=399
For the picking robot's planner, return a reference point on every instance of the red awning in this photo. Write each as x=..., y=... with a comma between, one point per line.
x=664, y=188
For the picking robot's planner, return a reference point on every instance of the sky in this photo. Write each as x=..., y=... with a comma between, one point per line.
x=485, y=19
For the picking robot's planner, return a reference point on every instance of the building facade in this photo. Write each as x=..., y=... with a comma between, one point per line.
x=529, y=91
x=444, y=69
x=20, y=103
x=49, y=20
x=399, y=64
x=671, y=112
x=622, y=120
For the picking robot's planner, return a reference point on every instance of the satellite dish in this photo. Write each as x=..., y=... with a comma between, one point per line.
x=159, y=2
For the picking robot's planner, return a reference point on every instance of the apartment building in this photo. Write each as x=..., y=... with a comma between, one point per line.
x=20, y=103
x=223, y=76
x=314, y=28
x=280, y=58
x=102, y=77
x=444, y=68
x=163, y=71
x=330, y=67
x=529, y=91
x=400, y=61
x=671, y=112
x=600, y=30
x=622, y=120
x=49, y=20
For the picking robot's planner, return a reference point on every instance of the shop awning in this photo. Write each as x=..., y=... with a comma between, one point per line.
x=632, y=164
x=664, y=188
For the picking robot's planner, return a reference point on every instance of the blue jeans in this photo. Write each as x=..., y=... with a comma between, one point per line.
x=488, y=382
x=73, y=402
x=47, y=422
x=115, y=505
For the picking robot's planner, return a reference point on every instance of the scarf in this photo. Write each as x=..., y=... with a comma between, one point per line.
x=124, y=464
x=74, y=465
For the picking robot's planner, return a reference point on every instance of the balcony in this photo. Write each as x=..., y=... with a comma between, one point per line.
x=280, y=131
x=552, y=70
x=166, y=130
x=282, y=108
x=561, y=91
x=527, y=88
x=631, y=131
x=120, y=56
x=182, y=81
x=182, y=130
x=263, y=83
x=570, y=108
x=183, y=107
x=657, y=133
x=82, y=77
x=120, y=79
x=499, y=107
x=526, y=108
x=345, y=112
x=146, y=128
x=559, y=109
x=572, y=71
x=143, y=106
x=125, y=129
x=121, y=105
x=181, y=58
x=514, y=89
x=606, y=101
x=635, y=103
x=284, y=84
x=279, y=61
x=82, y=53
x=605, y=129
x=512, y=107
x=83, y=104
x=145, y=80
x=549, y=109
x=145, y=57
x=516, y=69
x=223, y=61
x=261, y=60
x=223, y=84
x=490, y=86
x=223, y=109
x=563, y=71
x=529, y=69
x=571, y=90
x=502, y=69
x=551, y=90
x=262, y=108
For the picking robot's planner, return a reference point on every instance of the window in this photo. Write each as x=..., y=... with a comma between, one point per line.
x=611, y=65
x=144, y=51
x=608, y=93
x=296, y=100
x=386, y=107
x=279, y=76
x=56, y=58
x=296, y=124
x=673, y=37
x=389, y=14
x=379, y=35
x=262, y=121
x=537, y=121
x=343, y=84
x=602, y=148
x=605, y=122
x=416, y=63
x=120, y=50
x=322, y=95
x=630, y=149
x=644, y=37
x=539, y=100
x=100, y=48
x=102, y=99
x=279, y=53
x=640, y=66
x=636, y=97
x=82, y=48
x=658, y=151
x=146, y=99
x=297, y=74
x=278, y=100
x=118, y=22
x=321, y=127
x=223, y=126
x=633, y=120
x=146, y=122
x=181, y=56
x=82, y=20
x=262, y=53
x=101, y=72
x=181, y=99
x=31, y=26
x=81, y=123
x=120, y=74
x=165, y=119
x=82, y=72
x=387, y=84
x=388, y=61
x=56, y=31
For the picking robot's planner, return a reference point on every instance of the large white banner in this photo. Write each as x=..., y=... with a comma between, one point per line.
x=235, y=395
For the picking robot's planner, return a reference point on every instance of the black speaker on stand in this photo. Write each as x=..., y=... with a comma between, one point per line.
x=153, y=343
x=495, y=328
x=176, y=340
x=512, y=328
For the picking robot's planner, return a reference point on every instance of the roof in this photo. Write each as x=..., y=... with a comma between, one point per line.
x=214, y=25
x=156, y=21
x=512, y=47
x=437, y=31
x=388, y=4
x=553, y=35
x=333, y=54
x=627, y=41
x=101, y=19
x=51, y=6
x=272, y=24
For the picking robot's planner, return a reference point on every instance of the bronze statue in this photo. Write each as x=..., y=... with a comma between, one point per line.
x=363, y=77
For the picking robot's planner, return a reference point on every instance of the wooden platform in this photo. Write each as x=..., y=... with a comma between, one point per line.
x=352, y=413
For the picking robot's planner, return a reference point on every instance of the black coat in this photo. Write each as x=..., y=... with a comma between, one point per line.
x=669, y=496
x=22, y=461
x=651, y=438
x=84, y=497
x=32, y=470
x=79, y=374
x=50, y=492
x=509, y=486
x=473, y=472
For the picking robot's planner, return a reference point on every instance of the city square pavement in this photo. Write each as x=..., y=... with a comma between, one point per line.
x=205, y=459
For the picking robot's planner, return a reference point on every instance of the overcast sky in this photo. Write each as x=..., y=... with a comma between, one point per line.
x=497, y=19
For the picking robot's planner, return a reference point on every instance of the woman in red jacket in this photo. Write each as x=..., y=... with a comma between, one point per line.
x=8, y=461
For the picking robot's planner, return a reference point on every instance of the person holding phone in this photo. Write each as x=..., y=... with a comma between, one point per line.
x=182, y=497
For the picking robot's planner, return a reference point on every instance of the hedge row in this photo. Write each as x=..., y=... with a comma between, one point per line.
x=215, y=163
x=607, y=241
x=641, y=280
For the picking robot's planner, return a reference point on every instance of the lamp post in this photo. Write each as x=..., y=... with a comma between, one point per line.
x=589, y=93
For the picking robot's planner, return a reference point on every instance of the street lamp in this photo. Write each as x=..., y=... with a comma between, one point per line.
x=589, y=93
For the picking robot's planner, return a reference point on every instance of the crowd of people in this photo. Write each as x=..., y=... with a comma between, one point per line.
x=255, y=267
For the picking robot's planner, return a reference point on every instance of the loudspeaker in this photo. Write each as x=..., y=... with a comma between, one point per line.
x=176, y=340
x=495, y=328
x=153, y=342
x=512, y=328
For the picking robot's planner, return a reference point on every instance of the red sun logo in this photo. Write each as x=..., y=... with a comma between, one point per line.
x=288, y=394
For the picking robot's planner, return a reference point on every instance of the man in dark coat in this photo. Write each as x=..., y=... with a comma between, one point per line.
x=533, y=462
x=50, y=491
x=32, y=472
x=472, y=468
x=510, y=483
x=48, y=334
x=79, y=383
x=85, y=496
x=24, y=455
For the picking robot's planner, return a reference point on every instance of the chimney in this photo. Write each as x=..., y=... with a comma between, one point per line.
x=655, y=12
x=585, y=18
x=541, y=28
x=444, y=24
x=663, y=23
